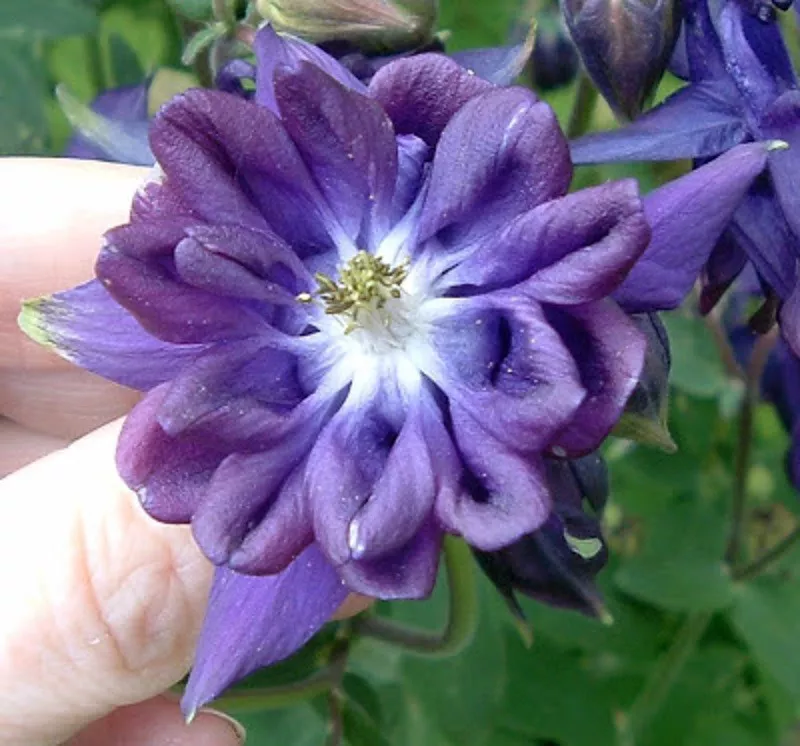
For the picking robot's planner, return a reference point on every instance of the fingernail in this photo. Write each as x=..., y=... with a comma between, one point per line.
x=237, y=727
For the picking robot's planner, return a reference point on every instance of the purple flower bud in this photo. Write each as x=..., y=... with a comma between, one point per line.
x=558, y=563
x=625, y=46
x=554, y=62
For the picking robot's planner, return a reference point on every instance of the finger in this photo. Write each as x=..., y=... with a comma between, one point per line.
x=159, y=722
x=20, y=446
x=65, y=404
x=101, y=605
x=55, y=212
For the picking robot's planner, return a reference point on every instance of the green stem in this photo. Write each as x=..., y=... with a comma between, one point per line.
x=463, y=612
x=768, y=558
x=94, y=63
x=580, y=118
x=755, y=367
x=275, y=697
x=663, y=677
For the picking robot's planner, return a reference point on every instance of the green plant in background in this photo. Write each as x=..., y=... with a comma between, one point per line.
x=697, y=643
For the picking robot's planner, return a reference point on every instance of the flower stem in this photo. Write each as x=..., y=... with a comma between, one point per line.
x=580, y=118
x=463, y=612
x=768, y=558
x=275, y=697
x=755, y=367
x=663, y=677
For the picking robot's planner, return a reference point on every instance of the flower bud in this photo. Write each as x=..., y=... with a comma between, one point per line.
x=645, y=416
x=554, y=62
x=557, y=564
x=625, y=46
x=369, y=24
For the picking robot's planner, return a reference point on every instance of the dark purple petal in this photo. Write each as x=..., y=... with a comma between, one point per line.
x=724, y=264
x=421, y=94
x=782, y=122
x=284, y=531
x=232, y=162
x=609, y=351
x=703, y=48
x=345, y=463
x=503, y=493
x=348, y=144
x=571, y=250
x=687, y=217
x=230, y=371
x=252, y=622
x=500, y=156
x=760, y=227
x=412, y=156
x=169, y=475
x=171, y=310
x=696, y=122
x=274, y=51
x=503, y=363
x=240, y=495
x=88, y=327
x=402, y=498
x=789, y=318
x=408, y=573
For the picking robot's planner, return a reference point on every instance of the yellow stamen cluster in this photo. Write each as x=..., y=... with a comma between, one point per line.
x=364, y=286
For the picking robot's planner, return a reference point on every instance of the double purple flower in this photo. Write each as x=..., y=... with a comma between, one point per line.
x=365, y=317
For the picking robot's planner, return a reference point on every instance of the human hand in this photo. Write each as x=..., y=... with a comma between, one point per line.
x=101, y=605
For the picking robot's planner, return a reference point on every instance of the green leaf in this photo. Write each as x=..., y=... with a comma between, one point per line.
x=125, y=66
x=295, y=726
x=23, y=120
x=680, y=567
x=765, y=615
x=696, y=367
x=362, y=715
x=45, y=18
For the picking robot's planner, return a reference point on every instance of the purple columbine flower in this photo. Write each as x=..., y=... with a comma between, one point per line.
x=742, y=88
x=363, y=317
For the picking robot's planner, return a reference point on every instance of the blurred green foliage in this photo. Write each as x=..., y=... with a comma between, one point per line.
x=581, y=681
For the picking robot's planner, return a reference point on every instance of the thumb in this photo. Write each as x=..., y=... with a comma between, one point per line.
x=101, y=605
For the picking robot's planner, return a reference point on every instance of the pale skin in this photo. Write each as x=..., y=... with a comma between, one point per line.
x=99, y=605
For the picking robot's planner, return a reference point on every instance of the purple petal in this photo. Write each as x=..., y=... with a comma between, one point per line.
x=724, y=264
x=501, y=155
x=703, y=48
x=284, y=531
x=348, y=144
x=345, y=463
x=88, y=327
x=789, y=318
x=502, y=362
x=782, y=122
x=499, y=65
x=408, y=573
x=252, y=622
x=570, y=250
x=171, y=310
x=760, y=227
x=503, y=494
x=687, y=217
x=609, y=351
x=240, y=494
x=232, y=162
x=421, y=94
x=761, y=73
x=169, y=475
x=113, y=129
x=274, y=50
x=696, y=122
x=402, y=498
x=412, y=156
x=230, y=371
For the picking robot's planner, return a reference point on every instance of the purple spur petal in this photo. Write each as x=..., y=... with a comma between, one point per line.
x=252, y=622
x=498, y=65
